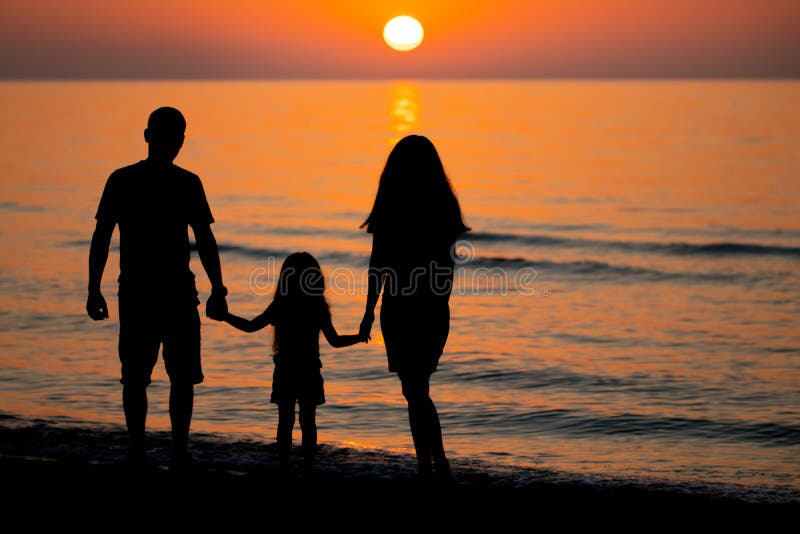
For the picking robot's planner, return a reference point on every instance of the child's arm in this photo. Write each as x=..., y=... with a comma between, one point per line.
x=337, y=340
x=246, y=325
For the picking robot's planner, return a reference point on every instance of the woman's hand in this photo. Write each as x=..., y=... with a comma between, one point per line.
x=366, y=324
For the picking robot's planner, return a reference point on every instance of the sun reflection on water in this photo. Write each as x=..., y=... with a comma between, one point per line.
x=405, y=108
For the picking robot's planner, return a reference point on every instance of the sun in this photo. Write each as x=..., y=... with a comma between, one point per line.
x=403, y=33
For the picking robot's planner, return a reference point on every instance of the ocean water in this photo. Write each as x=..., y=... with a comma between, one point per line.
x=627, y=305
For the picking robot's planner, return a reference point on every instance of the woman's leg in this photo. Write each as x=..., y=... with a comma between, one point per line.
x=437, y=448
x=308, y=424
x=416, y=393
x=437, y=444
x=285, y=426
x=425, y=426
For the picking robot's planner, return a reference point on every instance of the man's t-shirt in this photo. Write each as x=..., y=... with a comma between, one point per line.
x=154, y=206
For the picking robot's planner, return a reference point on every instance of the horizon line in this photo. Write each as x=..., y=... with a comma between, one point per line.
x=619, y=78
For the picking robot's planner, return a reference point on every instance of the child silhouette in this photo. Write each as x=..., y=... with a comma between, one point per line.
x=298, y=312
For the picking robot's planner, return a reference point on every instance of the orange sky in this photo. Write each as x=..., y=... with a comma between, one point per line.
x=342, y=38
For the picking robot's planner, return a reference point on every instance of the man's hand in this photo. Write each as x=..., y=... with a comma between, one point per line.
x=366, y=324
x=217, y=306
x=96, y=306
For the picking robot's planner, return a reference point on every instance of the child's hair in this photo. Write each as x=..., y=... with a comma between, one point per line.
x=299, y=299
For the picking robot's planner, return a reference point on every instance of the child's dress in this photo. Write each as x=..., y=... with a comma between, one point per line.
x=297, y=376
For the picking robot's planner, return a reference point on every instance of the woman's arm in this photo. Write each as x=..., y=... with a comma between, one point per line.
x=246, y=325
x=337, y=340
x=375, y=279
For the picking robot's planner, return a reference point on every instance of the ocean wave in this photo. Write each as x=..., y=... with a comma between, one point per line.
x=675, y=249
x=598, y=270
x=259, y=253
x=675, y=388
x=17, y=206
x=86, y=243
x=714, y=232
x=258, y=229
x=587, y=269
x=584, y=423
x=250, y=252
x=590, y=269
x=329, y=258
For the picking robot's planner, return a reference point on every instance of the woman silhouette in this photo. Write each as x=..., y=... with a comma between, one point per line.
x=414, y=223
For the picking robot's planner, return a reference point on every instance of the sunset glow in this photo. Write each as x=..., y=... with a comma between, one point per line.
x=316, y=39
x=403, y=33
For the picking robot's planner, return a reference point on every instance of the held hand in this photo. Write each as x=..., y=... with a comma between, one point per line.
x=216, y=306
x=96, y=306
x=366, y=325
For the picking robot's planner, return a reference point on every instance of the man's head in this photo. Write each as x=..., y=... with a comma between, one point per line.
x=165, y=133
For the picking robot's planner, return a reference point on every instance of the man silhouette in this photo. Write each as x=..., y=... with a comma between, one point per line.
x=154, y=202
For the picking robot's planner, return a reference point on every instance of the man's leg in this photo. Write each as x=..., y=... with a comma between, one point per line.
x=134, y=401
x=181, y=402
x=182, y=360
x=138, y=352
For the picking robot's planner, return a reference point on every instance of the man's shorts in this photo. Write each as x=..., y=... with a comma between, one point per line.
x=145, y=325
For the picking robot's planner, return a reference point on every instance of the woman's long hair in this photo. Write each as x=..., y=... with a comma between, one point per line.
x=414, y=193
x=299, y=300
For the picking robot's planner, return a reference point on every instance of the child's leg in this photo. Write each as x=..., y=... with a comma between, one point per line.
x=308, y=424
x=285, y=426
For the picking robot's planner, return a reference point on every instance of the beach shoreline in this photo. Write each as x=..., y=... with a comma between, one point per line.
x=70, y=467
x=63, y=494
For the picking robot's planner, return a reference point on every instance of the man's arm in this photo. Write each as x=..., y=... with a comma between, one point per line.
x=209, y=255
x=216, y=307
x=98, y=256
